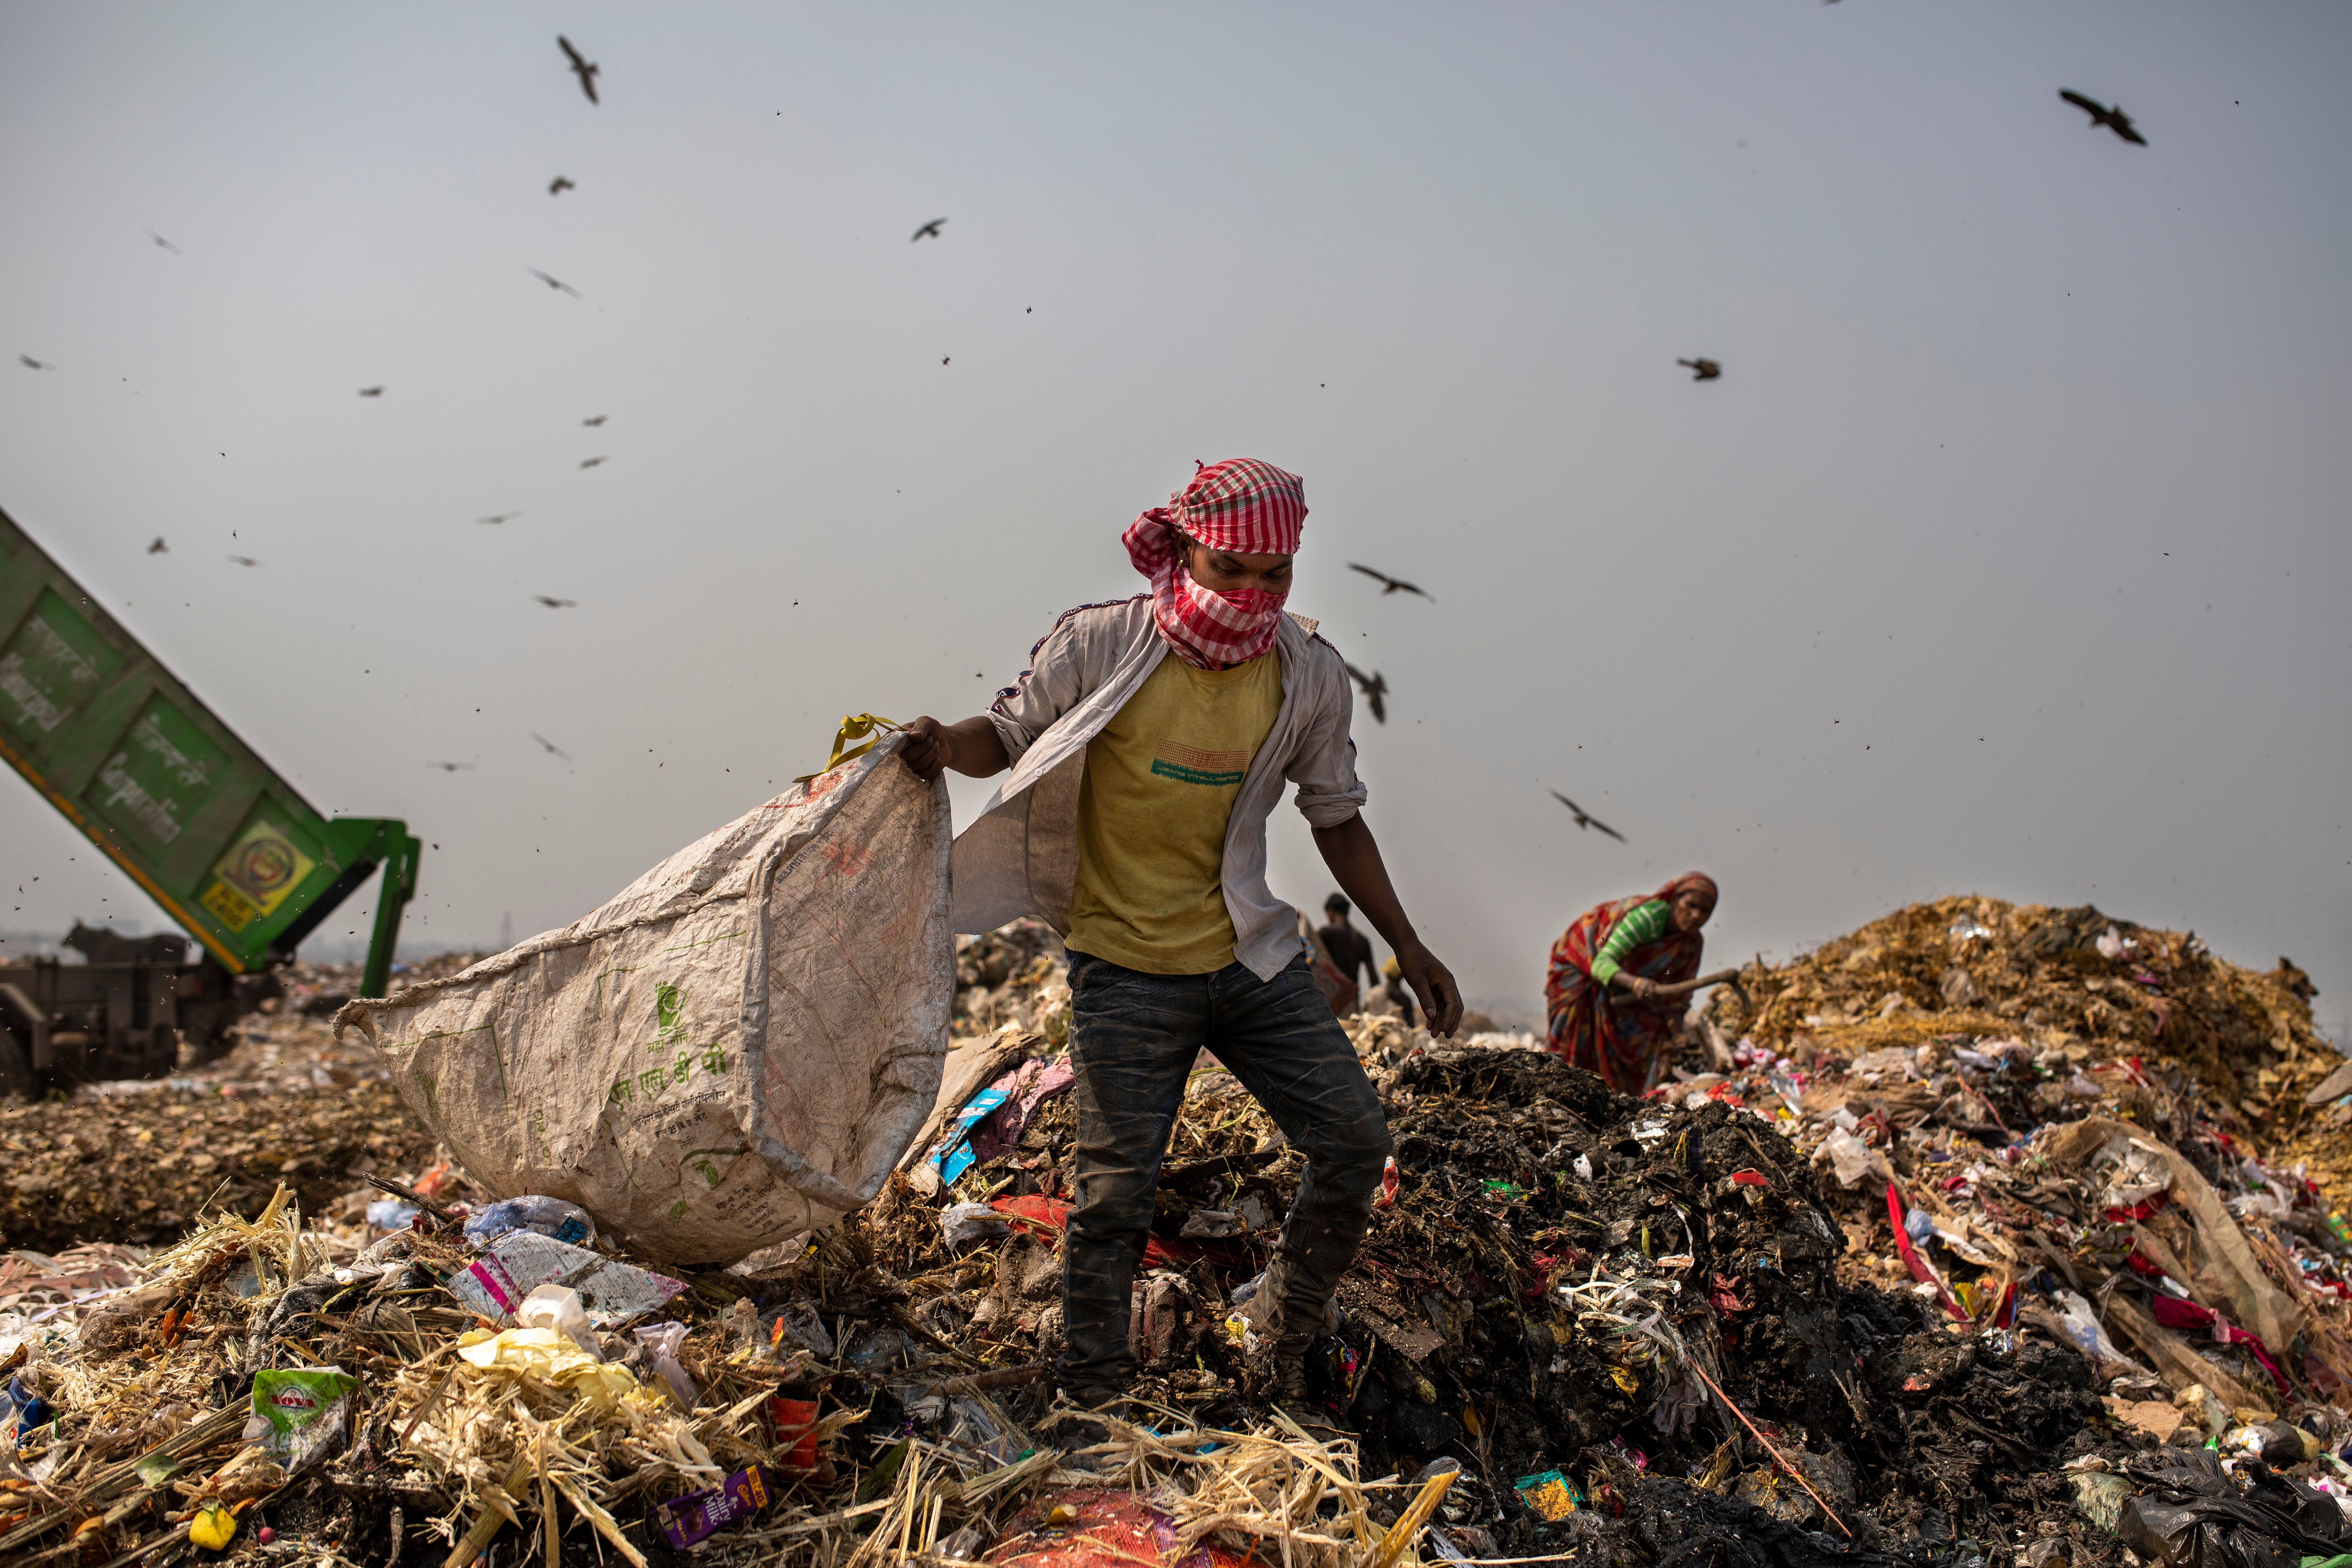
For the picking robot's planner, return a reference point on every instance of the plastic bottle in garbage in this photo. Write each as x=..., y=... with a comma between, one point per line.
x=559, y=1306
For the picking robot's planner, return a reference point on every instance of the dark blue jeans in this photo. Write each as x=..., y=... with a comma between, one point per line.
x=1133, y=1039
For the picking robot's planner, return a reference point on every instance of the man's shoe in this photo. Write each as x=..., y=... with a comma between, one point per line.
x=1289, y=1391
x=1290, y=1372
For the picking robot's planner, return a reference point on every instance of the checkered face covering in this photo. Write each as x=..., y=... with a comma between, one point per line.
x=1240, y=505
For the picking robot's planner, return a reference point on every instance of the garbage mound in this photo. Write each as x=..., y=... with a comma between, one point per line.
x=1934, y=1283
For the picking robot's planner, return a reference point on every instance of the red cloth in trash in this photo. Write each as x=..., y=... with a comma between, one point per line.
x=1619, y=1042
x=2175, y=1313
x=1053, y=1215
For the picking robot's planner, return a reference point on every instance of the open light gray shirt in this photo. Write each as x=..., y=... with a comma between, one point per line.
x=1021, y=857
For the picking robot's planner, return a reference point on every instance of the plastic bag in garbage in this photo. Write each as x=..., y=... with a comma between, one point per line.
x=558, y=1307
x=541, y=1216
x=1850, y=1157
x=735, y=1049
x=966, y=1223
x=2192, y=1513
x=661, y=1341
x=799, y=1319
x=2082, y=1324
x=392, y=1214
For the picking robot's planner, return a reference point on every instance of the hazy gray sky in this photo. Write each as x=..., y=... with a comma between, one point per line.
x=2011, y=553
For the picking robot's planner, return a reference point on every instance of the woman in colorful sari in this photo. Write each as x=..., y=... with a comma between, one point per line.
x=1635, y=945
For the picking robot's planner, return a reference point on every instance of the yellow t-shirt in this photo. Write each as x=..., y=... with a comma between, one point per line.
x=1160, y=785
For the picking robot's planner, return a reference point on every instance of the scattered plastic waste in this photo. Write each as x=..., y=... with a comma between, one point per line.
x=545, y=1217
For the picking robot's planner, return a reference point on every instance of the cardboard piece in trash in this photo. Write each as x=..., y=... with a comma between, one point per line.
x=514, y=1265
x=735, y=1049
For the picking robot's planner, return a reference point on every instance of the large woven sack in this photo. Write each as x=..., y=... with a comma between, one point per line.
x=735, y=1049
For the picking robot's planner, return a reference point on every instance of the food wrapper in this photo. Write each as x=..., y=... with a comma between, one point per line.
x=299, y=1414
x=687, y=1519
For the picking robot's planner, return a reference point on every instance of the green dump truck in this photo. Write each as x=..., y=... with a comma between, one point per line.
x=215, y=835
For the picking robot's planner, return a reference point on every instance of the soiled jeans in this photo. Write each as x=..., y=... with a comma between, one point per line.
x=1133, y=1039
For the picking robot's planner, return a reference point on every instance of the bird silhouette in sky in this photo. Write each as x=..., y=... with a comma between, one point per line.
x=557, y=604
x=580, y=67
x=550, y=746
x=1394, y=584
x=371, y=392
x=943, y=359
x=244, y=560
x=596, y=421
x=555, y=282
x=159, y=547
x=2115, y=119
x=1585, y=819
x=450, y=768
x=32, y=364
x=930, y=230
x=1375, y=688
x=590, y=462
x=502, y=517
x=1702, y=369
x=557, y=185
x=160, y=240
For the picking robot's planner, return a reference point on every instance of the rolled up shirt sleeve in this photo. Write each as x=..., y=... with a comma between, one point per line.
x=1049, y=688
x=1324, y=769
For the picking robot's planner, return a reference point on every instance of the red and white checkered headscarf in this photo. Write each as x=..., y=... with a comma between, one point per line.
x=1240, y=505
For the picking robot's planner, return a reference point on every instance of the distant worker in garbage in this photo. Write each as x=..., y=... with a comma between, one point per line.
x=1149, y=739
x=1632, y=946
x=1350, y=950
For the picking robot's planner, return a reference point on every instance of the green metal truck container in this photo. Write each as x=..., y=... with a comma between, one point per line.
x=155, y=779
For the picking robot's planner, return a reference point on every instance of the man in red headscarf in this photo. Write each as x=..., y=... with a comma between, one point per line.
x=1134, y=823
x=1632, y=946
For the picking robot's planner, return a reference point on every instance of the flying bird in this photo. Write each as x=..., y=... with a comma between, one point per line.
x=554, y=282
x=550, y=746
x=448, y=767
x=1586, y=820
x=1375, y=686
x=557, y=604
x=930, y=230
x=1394, y=584
x=371, y=392
x=557, y=185
x=598, y=420
x=32, y=364
x=590, y=462
x=166, y=244
x=244, y=560
x=502, y=517
x=159, y=547
x=2115, y=119
x=1702, y=369
x=943, y=359
x=580, y=67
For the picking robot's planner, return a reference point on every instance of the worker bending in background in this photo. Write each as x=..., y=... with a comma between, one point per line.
x=1134, y=821
x=1632, y=945
x=1349, y=950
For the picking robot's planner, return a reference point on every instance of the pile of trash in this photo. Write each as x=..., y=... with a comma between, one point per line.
x=137, y=1161
x=2012, y=1267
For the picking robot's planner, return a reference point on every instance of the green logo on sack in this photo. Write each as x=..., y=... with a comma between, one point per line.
x=668, y=1002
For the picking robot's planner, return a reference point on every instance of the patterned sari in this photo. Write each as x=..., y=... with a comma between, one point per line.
x=1619, y=1038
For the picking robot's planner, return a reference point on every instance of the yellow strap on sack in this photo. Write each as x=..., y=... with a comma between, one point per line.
x=854, y=727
